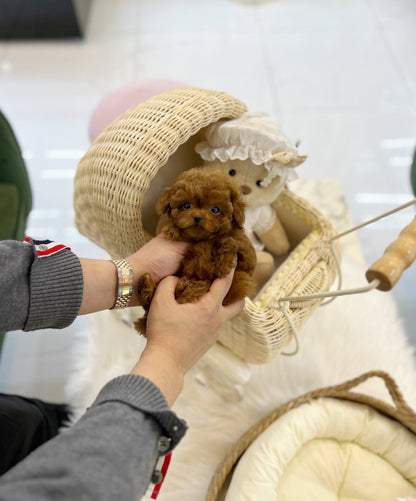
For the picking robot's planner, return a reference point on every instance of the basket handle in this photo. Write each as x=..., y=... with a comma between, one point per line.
x=391, y=386
x=398, y=256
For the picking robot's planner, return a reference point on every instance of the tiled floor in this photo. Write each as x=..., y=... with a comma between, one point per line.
x=339, y=76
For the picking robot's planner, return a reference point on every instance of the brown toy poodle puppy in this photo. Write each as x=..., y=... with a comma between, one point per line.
x=204, y=207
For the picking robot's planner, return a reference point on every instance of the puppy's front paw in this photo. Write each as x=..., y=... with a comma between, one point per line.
x=146, y=289
x=225, y=256
x=224, y=263
x=140, y=325
x=227, y=245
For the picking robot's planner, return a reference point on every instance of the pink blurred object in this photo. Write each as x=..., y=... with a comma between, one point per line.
x=119, y=101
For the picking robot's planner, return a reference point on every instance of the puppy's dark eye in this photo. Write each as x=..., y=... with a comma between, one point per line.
x=232, y=172
x=258, y=182
x=187, y=206
x=215, y=210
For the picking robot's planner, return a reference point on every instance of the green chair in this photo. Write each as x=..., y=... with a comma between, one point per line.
x=15, y=192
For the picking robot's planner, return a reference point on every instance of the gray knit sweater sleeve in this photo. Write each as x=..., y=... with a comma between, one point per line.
x=109, y=454
x=38, y=293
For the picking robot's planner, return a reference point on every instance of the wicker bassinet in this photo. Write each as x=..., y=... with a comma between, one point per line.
x=124, y=172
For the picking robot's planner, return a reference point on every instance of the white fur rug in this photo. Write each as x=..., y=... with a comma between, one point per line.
x=350, y=336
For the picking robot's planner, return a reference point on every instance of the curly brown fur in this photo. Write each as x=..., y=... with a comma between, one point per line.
x=205, y=208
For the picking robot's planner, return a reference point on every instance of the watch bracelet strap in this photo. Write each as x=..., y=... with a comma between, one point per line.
x=125, y=283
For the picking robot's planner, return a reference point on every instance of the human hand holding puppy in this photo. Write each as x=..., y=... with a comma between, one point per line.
x=179, y=334
x=160, y=257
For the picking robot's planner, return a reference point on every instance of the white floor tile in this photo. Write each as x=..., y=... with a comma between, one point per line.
x=302, y=16
x=64, y=78
x=223, y=66
x=37, y=364
x=399, y=15
x=336, y=71
x=196, y=19
x=368, y=152
x=112, y=21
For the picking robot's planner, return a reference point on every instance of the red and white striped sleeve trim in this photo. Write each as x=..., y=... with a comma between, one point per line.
x=162, y=465
x=46, y=248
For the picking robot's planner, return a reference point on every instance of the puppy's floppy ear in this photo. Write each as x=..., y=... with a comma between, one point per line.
x=238, y=207
x=163, y=204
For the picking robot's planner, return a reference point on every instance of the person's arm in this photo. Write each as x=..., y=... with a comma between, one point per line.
x=174, y=344
x=50, y=291
x=38, y=292
x=109, y=454
x=160, y=257
x=111, y=451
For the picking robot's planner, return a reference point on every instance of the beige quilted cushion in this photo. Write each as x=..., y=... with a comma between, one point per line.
x=328, y=450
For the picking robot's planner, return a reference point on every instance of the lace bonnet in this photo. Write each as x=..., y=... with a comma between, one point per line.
x=256, y=136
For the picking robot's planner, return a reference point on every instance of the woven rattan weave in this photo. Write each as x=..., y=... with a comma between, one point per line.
x=262, y=330
x=114, y=175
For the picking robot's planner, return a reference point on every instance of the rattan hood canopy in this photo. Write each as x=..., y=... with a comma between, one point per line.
x=114, y=196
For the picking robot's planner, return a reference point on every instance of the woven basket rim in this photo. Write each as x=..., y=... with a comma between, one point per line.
x=321, y=230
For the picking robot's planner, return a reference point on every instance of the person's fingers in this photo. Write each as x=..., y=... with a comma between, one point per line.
x=233, y=309
x=220, y=287
x=166, y=288
x=163, y=236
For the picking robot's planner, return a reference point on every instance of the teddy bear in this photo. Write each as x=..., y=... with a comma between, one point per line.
x=255, y=153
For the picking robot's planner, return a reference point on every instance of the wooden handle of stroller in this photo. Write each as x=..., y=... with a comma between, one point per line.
x=398, y=256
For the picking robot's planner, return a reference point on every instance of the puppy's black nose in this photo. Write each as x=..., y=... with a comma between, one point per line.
x=197, y=219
